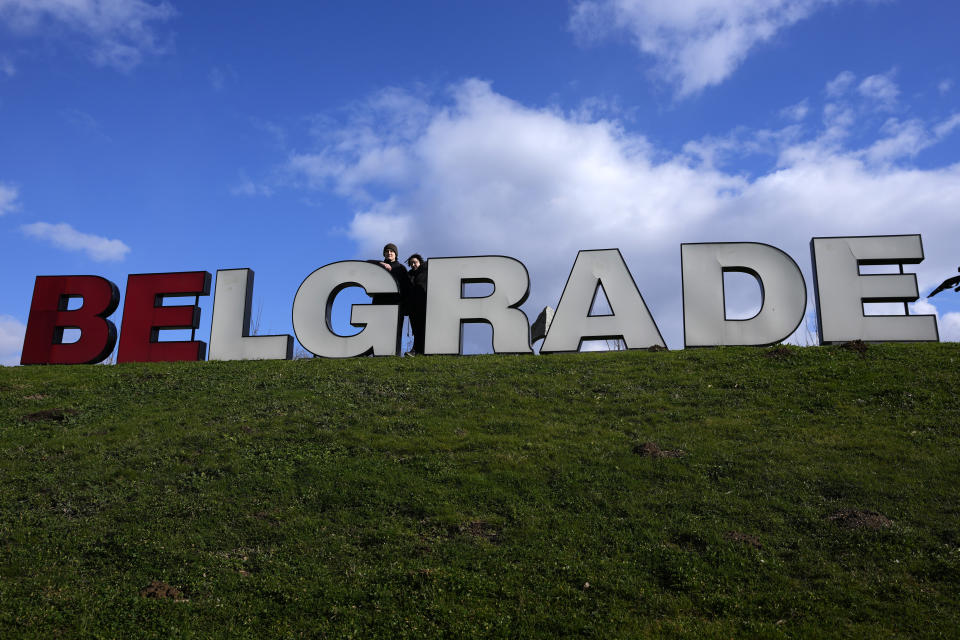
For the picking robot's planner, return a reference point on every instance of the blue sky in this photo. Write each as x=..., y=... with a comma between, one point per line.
x=141, y=136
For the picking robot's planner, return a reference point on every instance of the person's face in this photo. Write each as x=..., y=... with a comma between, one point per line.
x=390, y=255
x=414, y=263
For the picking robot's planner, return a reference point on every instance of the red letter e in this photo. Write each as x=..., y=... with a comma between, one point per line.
x=144, y=316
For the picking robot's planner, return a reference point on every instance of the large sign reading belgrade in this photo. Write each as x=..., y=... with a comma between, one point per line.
x=839, y=287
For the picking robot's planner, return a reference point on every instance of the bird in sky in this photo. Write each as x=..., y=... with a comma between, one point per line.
x=949, y=283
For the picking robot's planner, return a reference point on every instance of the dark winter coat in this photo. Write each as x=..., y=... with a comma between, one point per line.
x=417, y=288
x=417, y=305
x=399, y=273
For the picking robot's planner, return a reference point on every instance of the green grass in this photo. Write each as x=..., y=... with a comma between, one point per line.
x=478, y=496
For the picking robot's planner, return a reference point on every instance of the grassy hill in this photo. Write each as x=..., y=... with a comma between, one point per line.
x=790, y=492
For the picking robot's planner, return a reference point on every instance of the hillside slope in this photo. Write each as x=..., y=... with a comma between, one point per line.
x=788, y=491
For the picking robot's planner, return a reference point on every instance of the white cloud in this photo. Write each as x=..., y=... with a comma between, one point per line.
x=839, y=85
x=904, y=139
x=372, y=150
x=796, y=112
x=851, y=112
x=11, y=340
x=880, y=88
x=221, y=76
x=7, y=67
x=907, y=139
x=945, y=85
x=714, y=151
x=923, y=307
x=696, y=43
x=250, y=188
x=85, y=124
x=118, y=33
x=484, y=174
x=66, y=237
x=8, y=198
x=948, y=325
x=277, y=133
x=838, y=117
x=946, y=127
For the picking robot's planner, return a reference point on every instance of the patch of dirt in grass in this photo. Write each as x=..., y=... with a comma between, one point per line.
x=35, y=396
x=689, y=542
x=163, y=591
x=779, y=352
x=651, y=450
x=855, y=519
x=857, y=346
x=480, y=529
x=50, y=415
x=657, y=347
x=744, y=538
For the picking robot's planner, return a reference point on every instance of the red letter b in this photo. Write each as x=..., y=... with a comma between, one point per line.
x=43, y=342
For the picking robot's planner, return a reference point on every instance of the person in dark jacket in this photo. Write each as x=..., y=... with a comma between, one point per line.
x=417, y=300
x=399, y=273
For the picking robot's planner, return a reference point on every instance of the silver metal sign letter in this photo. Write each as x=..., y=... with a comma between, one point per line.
x=230, y=337
x=630, y=319
x=314, y=299
x=783, y=292
x=448, y=310
x=841, y=290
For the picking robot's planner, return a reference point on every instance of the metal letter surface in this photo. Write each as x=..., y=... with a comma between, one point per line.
x=630, y=319
x=230, y=337
x=841, y=290
x=43, y=341
x=448, y=310
x=314, y=300
x=144, y=316
x=783, y=292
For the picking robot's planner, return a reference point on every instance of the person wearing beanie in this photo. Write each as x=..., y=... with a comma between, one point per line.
x=399, y=273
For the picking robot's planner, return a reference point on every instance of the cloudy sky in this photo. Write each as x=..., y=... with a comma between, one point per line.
x=141, y=136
